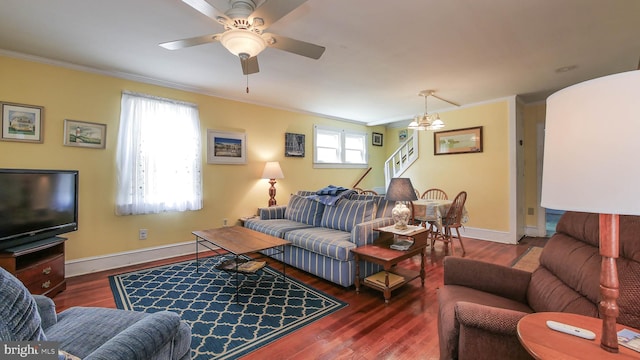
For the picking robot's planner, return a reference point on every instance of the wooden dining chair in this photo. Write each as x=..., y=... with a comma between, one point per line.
x=434, y=194
x=452, y=220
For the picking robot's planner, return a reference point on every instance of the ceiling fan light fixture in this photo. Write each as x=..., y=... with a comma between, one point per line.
x=239, y=41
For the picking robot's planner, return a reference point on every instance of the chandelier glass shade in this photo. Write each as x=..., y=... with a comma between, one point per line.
x=426, y=121
x=240, y=42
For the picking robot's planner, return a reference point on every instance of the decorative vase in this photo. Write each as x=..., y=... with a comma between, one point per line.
x=400, y=215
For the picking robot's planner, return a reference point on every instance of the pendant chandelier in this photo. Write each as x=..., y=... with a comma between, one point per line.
x=428, y=121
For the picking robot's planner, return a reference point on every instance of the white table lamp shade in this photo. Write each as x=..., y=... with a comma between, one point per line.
x=592, y=146
x=272, y=170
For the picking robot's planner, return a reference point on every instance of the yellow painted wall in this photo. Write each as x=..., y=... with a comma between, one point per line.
x=484, y=176
x=230, y=191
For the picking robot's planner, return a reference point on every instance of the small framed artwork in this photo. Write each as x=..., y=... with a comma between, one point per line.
x=459, y=141
x=226, y=147
x=402, y=135
x=22, y=122
x=294, y=145
x=85, y=134
x=376, y=139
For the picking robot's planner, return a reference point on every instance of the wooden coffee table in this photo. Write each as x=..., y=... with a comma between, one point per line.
x=238, y=241
x=380, y=253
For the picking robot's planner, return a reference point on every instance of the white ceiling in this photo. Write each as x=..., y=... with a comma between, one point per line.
x=379, y=55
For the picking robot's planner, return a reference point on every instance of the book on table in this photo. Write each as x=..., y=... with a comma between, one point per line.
x=629, y=338
x=378, y=279
x=402, y=244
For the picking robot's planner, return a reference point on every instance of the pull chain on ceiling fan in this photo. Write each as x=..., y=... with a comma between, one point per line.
x=427, y=121
x=244, y=25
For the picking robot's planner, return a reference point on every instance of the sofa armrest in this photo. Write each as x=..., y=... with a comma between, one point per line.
x=272, y=212
x=492, y=278
x=492, y=319
x=141, y=340
x=363, y=234
x=47, y=311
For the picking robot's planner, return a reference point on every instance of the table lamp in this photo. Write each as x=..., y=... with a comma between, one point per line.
x=592, y=130
x=401, y=190
x=272, y=171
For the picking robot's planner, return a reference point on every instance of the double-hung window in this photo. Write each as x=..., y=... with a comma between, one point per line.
x=339, y=148
x=158, y=156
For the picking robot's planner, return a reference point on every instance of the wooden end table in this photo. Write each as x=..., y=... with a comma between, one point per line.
x=380, y=253
x=544, y=343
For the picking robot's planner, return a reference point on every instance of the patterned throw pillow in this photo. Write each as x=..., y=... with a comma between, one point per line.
x=346, y=214
x=306, y=211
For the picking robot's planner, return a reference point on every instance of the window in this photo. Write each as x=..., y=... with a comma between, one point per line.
x=158, y=156
x=339, y=148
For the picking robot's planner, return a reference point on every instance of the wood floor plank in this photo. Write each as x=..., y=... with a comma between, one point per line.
x=406, y=328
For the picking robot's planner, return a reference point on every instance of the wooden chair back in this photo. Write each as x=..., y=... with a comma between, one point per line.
x=434, y=194
x=454, y=214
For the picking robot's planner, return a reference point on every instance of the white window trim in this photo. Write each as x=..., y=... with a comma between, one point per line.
x=340, y=165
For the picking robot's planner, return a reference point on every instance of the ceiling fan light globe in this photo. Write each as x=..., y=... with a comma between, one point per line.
x=239, y=41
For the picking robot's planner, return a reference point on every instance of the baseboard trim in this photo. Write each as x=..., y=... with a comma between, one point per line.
x=117, y=260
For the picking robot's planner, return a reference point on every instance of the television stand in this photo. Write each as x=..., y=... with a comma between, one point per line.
x=39, y=265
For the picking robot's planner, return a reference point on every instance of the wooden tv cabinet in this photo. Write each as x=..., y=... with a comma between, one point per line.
x=39, y=265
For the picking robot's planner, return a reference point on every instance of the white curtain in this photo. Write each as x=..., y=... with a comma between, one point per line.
x=158, y=156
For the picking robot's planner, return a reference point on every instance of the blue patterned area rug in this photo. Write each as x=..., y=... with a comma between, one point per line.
x=223, y=328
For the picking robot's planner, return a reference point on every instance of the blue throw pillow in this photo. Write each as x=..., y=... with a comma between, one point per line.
x=346, y=214
x=306, y=211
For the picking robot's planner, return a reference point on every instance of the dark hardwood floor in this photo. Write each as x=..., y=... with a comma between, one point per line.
x=406, y=328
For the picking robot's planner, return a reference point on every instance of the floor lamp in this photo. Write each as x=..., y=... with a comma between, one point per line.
x=592, y=130
x=272, y=171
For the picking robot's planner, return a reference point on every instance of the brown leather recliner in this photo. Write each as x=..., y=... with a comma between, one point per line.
x=480, y=303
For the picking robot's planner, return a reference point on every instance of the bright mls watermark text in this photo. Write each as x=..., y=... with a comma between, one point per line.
x=30, y=350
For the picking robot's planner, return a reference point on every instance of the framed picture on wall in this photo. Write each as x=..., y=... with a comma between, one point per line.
x=21, y=122
x=294, y=145
x=402, y=135
x=376, y=139
x=226, y=147
x=458, y=141
x=85, y=134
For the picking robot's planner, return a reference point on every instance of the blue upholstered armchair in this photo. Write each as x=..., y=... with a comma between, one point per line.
x=89, y=332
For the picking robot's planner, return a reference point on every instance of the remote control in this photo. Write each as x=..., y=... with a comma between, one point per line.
x=571, y=330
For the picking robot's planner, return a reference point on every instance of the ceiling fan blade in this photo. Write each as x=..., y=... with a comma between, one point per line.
x=206, y=9
x=272, y=10
x=198, y=40
x=250, y=65
x=296, y=46
x=445, y=100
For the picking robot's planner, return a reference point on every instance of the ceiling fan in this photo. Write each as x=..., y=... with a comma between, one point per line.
x=244, y=24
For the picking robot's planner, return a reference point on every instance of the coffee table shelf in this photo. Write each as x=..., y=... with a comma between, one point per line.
x=238, y=241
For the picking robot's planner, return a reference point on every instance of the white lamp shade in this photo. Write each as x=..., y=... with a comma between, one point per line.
x=272, y=170
x=592, y=138
x=239, y=41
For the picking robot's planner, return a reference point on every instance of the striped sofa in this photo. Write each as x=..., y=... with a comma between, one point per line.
x=322, y=236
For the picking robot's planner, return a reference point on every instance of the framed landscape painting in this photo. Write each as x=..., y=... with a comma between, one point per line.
x=22, y=122
x=85, y=134
x=458, y=141
x=226, y=147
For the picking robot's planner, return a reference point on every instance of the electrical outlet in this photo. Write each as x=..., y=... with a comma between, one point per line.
x=224, y=222
x=142, y=234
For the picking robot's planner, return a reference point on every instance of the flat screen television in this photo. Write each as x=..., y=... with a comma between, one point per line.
x=37, y=205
